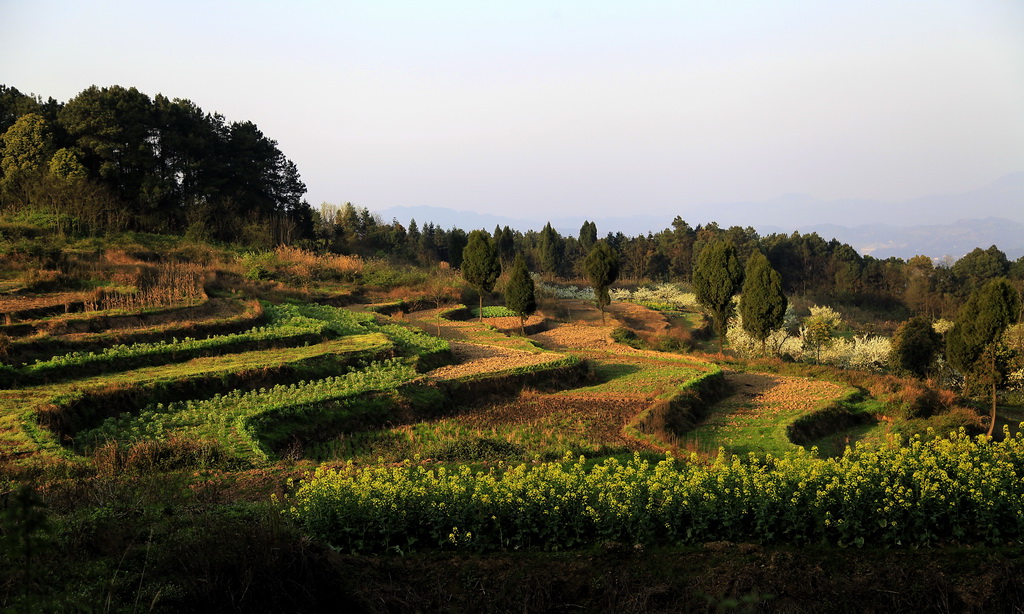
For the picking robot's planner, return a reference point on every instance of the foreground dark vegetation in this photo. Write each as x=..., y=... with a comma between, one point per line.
x=284, y=409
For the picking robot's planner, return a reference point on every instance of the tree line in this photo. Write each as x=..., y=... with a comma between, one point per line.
x=115, y=159
x=826, y=272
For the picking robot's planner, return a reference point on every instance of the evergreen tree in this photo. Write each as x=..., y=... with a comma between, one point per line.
x=974, y=346
x=456, y=244
x=914, y=347
x=551, y=249
x=762, y=303
x=506, y=245
x=520, y=292
x=602, y=269
x=588, y=235
x=716, y=278
x=480, y=265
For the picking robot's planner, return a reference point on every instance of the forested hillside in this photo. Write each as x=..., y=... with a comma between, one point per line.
x=114, y=158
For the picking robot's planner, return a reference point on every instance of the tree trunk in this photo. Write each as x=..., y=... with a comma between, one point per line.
x=992, y=424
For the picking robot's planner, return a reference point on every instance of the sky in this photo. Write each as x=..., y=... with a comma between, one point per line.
x=533, y=108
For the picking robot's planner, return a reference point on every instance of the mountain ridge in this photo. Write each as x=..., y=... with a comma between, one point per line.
x=935, y=226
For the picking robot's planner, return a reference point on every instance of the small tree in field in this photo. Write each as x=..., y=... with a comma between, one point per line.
x=762, y=303
x=819, y=329
x=519, y=292
x=602, y=268
x=914, y=347
x=974, y=344
x=716, y=278
x=480, y=264
x=442, y=288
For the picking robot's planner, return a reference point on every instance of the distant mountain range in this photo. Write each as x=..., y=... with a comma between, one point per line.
x=936, y=226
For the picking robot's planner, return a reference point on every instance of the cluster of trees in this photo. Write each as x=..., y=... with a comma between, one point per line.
x=113, y=158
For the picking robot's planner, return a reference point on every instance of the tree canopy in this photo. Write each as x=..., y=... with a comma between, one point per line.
x=716, y=279
x=168, y=166
x=602, y=268
x=480, y=264
x=762, y=302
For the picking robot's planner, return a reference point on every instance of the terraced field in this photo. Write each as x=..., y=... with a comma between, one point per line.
x=155, y=385
x=754, y=418
x=590, y=416
x=259, y=379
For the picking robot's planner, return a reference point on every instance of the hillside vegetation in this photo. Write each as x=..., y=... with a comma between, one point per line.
x=260, y=414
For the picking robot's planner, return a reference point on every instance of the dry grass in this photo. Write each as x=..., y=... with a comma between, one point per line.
x=306, y=265
x=166, y=284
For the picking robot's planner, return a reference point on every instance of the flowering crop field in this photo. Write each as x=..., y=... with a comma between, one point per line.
x=918, y=493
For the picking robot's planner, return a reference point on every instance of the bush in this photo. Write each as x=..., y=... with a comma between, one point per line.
x=382, y=275
x=625, y=336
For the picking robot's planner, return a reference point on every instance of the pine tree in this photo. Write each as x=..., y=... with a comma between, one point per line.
x=551, y=249
x=520, y=292
x=602, y=269
x=588, y=235
x=762, y=304
x=716, y=278
x=480, y=265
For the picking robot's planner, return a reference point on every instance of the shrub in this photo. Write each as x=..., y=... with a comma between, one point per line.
x=625, y=336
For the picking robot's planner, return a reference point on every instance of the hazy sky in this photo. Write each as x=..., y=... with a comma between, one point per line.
x=536, y=108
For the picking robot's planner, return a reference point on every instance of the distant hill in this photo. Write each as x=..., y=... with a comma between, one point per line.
x=935, y=226
x=935, y=240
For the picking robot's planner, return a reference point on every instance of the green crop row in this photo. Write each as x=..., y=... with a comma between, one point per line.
x=236, y=418
x=917, y=493
x=100, y=332
x=55, y=413
x=290, y=324
x=494, y=311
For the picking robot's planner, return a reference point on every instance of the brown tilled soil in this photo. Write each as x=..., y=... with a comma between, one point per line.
x=511, y=325
x=763, y=393
x=599, y=420
x=575, y=336
x=472, y=358
x=16, y=303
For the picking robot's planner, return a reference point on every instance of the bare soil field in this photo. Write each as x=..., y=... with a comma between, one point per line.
x=472, y=358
